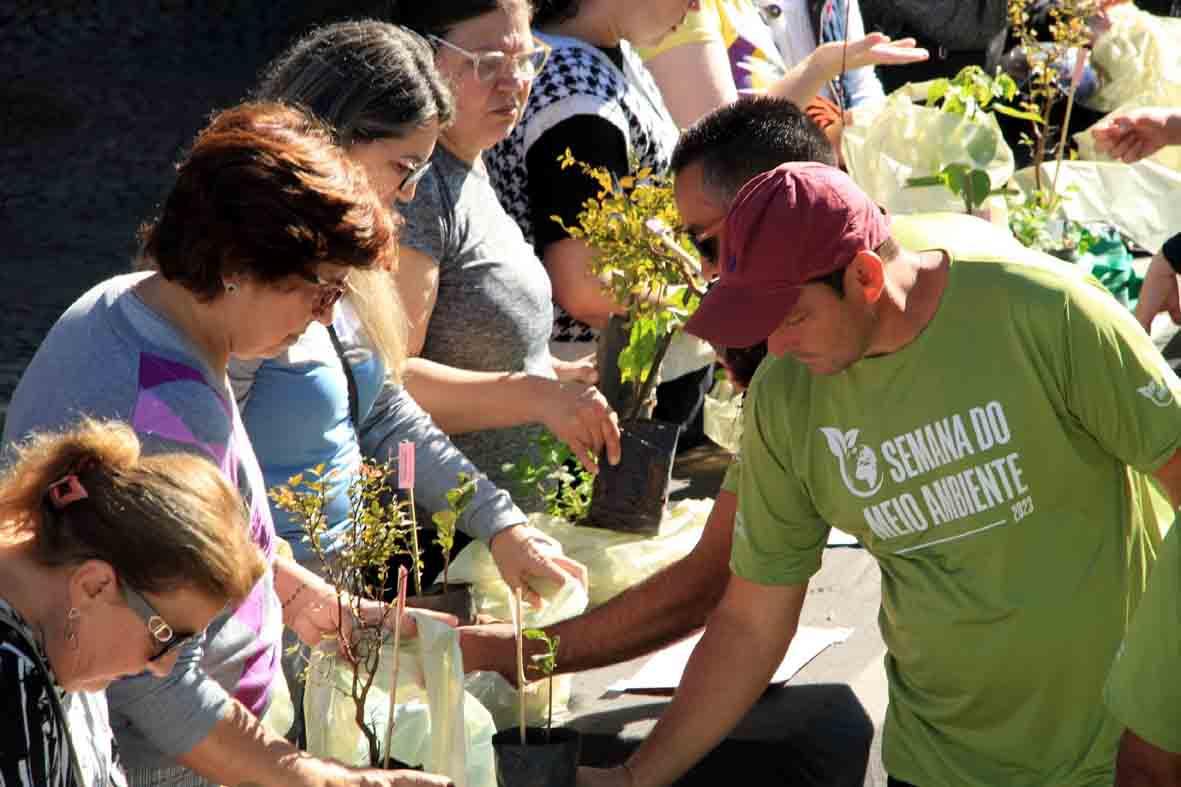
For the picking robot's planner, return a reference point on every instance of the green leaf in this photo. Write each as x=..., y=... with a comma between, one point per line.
x=977, y=187
x=937, y=90
x=1020, y=114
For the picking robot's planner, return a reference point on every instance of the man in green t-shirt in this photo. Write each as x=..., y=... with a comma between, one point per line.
x=986, y=429
x=1144, y=688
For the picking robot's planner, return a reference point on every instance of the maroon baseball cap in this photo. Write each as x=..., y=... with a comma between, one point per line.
x=797, y=223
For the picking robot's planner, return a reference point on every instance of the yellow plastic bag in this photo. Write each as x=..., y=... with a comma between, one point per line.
x=614, y=562
x=436, y=723
x=883, y=149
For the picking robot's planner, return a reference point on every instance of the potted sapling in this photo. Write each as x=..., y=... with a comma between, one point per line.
x=456, y=600
x=358, y=568
x=646, y=269
x=536, y=756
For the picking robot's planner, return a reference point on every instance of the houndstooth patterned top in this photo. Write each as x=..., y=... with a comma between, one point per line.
x=580, y=79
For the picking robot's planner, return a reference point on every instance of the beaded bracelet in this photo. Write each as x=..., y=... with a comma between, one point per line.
x=294, y=596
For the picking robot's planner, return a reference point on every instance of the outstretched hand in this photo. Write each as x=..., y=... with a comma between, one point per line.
x=1138, y=133
x=876, y=49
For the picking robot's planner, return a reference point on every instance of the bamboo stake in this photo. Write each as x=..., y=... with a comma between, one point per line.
x=399, y=610
x=1076, y=76
x=518, y=625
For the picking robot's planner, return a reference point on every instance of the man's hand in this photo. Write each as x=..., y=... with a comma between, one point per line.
x=335, y=774
x=524, y=556
x=1131, y=136
x=491, y=647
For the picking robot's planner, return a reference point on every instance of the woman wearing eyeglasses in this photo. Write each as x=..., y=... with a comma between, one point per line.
x=265, y=224
x=331, y=398
x=79, y=604
x=594, y=98
x=477, y=297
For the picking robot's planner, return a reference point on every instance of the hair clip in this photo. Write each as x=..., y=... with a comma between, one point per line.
x=67, y=489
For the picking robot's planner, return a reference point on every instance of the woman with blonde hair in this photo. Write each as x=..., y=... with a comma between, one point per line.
x=335, y=396
x=110, y=562
x=257, y=238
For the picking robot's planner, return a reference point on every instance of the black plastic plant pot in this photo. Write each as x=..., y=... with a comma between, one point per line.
x=457, y=601
x=631, y=495
x=541, y=762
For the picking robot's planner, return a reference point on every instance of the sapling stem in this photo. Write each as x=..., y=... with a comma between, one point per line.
x=518, y=625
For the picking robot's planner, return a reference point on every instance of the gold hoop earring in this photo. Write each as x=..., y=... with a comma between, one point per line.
x=231, y=288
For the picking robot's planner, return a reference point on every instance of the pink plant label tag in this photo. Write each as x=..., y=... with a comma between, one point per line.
x=406, y=465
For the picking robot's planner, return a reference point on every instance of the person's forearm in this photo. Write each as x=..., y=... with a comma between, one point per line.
x=1169, y=476
x=684, y=733
x=296, y=586
x=667, y=606
x=460, y=400
x=1139, y=763
x=802, y=82
x=240, y=751
x=395, y=418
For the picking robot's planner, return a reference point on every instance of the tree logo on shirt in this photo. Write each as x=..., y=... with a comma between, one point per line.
x=1157, y=392
x=858, y=463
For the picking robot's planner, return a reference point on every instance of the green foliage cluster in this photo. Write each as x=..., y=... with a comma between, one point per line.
x=970, y=184
x=459, y=498
x=972, y=92
x=380, y=528
x=655, y=284
x=565, y=493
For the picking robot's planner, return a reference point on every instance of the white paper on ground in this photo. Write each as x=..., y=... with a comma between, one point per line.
x=665, y=668
x=839, y=538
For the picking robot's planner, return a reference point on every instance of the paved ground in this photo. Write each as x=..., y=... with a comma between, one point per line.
x=97, y=98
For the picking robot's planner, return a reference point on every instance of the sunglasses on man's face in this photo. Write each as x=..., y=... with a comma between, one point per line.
x=706, y=241
x=166, y=638
x=329, y=292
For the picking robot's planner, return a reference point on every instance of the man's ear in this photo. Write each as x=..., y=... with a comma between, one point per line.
x=868, y=274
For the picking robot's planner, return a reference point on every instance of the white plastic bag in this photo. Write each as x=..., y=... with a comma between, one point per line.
x=723, y=416
x=1138, y=56
x=1140, y=199
x=436, y=723
x=883, y=149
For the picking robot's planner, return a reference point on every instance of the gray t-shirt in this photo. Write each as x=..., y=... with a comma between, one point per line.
x=494, y=308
